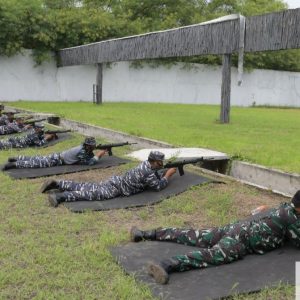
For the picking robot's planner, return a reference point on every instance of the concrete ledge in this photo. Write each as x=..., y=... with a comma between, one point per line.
x=275, y=180
x=111, y=135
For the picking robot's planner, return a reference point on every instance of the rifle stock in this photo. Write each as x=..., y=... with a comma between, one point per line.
x=57, y=131
x=181, y=163
x=109, y=147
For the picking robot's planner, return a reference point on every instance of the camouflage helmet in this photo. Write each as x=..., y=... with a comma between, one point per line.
x=156, y=155
x=89, y=141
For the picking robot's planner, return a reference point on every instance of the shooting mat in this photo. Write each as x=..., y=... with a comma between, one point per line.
x=61, y=137
x=105, y=162
x=177, y=185
x=250, y=274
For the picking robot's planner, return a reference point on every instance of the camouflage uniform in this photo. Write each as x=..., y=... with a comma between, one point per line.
x=31, y=139
x=12, y=127
x=225, y=244
x=80, y=156
x=134, y=181
x=4, y=120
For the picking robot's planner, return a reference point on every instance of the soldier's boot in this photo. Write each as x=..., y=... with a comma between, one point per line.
x=9, y=165
x=160, y=271
x=56, y=198
x=49, y=185
x=137, y=235
x=12, y=159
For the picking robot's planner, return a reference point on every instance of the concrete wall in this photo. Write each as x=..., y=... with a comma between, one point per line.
x=200, y=84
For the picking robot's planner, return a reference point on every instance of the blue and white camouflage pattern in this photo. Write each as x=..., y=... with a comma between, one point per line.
x=12, y=127
x=55, y=159
x=29, y=140
x=134, y=181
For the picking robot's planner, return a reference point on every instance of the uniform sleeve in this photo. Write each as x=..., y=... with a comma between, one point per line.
x=86, y=158
x=293, y=233
x=155, y=183
x=39, y=142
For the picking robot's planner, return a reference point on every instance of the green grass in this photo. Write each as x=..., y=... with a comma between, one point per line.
x=48, y=253
x=267, y=136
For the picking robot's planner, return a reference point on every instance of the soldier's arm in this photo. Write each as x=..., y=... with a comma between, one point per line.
x=86, y=159
x=155, y=183
x=293, y=233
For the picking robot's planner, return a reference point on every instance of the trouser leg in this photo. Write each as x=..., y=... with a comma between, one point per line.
x=40, y=161
x=69, y=185
x=5, y=145
x=200, y=238
x=226, y=251
x=105, y=191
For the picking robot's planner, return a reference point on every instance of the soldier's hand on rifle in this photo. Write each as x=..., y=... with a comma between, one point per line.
x=170, y=172
x=101, y=153
x=50, y=136
x=28, y=126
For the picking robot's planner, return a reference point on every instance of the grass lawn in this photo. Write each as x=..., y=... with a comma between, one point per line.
x=267, y=136
x=48, y=253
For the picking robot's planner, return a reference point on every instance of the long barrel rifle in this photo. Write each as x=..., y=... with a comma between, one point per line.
x=55, y=132
x=109, y=147
x=181, y=163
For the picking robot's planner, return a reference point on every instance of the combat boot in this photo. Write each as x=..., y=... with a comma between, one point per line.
x=160, y=271
x=137, y=235
x=9, y=165
x=12, y=159
x=56, y=198
x=49, y=185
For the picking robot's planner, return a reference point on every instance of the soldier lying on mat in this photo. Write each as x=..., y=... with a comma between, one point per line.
x=36, y=138
x=134, y=181
x=16, y=126
x=82, y=154
x=222, y=245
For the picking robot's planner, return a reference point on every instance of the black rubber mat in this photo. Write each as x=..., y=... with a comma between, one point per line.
x=105, y=162
x=177, y=184
x=61, y=137
x=251, y=274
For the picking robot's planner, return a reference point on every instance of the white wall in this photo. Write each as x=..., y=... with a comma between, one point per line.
x=19, y=79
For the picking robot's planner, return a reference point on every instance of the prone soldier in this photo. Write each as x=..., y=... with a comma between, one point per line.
x=132, y=182
x=82, y=154
x=222, y=245
x=15, y=126
x=7, y=117
x=36, y=138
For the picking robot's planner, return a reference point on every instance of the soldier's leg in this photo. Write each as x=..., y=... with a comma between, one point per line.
x=69, y=185
x=5, y=145
x=203, y=238
x=227, y=250
x=40, y=161
x=27, y=158
x=104, y=192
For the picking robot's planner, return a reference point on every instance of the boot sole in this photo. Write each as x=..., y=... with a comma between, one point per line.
x=159, y=273
x=132, y=234
x=45, y=186
x=52, y=200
